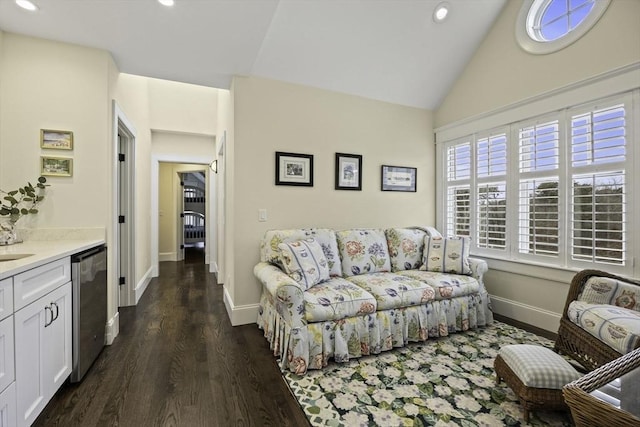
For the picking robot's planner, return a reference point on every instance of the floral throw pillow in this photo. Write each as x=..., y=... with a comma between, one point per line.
x=304, y=262
x=405, y=248
x=363, y=251
x=450, y=255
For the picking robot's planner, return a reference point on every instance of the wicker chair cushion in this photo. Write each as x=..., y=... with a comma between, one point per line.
x=538, y=367
x=617, y=327
x=607, y=290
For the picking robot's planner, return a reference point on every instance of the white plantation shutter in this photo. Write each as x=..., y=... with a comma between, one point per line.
x=492, y=216
x=558, y=189
x=538, y=201
x=491, y=194
x=459, y=211
x=458, y=192
x=598, y=218
x=599, y=193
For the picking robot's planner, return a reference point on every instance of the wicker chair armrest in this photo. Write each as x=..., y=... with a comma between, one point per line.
x=608, y=372
x=580, y=279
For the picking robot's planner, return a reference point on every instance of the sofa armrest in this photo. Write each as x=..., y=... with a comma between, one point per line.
x=478, y=268
x=286, y=293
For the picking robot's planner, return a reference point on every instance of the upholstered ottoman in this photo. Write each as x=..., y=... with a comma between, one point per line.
x=535, y=374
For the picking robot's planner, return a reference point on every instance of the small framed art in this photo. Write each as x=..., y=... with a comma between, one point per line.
x=56, y=139
x=56, y=166
x=348, y=171
x=398, y=178
x=294, y=169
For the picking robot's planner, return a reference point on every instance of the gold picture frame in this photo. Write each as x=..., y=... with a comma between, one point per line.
x=56, y=166
x=56, y=139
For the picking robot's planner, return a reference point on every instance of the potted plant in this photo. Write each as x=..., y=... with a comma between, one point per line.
x=18, y=203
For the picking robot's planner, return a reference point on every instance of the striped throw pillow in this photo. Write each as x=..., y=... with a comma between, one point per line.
x=305, y=262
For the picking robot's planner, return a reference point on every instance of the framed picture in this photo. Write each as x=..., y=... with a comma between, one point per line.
x=294, y=169
x=56, y=139
x=56, y=166
x=348, y=171
x=398, y=178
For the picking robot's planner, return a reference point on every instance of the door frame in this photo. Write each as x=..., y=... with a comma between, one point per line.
x=125, y=295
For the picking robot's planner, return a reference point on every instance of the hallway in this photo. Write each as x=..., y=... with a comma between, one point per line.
x=179, y=362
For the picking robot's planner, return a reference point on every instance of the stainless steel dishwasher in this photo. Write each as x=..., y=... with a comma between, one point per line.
x=89, y=302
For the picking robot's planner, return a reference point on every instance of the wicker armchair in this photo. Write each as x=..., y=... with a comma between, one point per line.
x=588, y=411
x=575, y=342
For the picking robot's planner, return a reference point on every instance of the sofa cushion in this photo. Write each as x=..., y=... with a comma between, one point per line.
x=606, y=290
x=304, y=262
x=617, y=327
x=405, y=248
x=446, y=285
x=394, y=291
x=363, y=251
x=269, y=251
x=448, y=255
x=538, y=367
x=336, y=299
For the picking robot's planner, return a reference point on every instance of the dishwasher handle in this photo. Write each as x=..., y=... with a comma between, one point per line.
x=88, y=253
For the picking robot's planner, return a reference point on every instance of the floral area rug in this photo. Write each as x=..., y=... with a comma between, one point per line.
x=442, y=382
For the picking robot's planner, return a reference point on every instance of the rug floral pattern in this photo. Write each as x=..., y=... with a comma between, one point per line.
x=443, y=382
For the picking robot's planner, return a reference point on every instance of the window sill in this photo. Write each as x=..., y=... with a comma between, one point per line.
x=530, y=269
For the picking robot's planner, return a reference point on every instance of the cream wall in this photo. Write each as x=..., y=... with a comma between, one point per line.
x=271, y=116
x=501, y=73
x=182, y=107
x=56, y=86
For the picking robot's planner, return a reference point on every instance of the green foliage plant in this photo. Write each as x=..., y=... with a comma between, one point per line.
x=21, y=202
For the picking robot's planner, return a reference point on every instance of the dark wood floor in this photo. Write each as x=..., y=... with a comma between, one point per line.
x=179, y=362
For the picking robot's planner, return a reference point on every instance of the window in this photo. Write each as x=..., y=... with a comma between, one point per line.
x=553, y=189
x=545, y=26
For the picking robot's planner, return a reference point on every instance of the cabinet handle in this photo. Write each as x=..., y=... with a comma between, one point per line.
x=47, y=323
x=57, y=312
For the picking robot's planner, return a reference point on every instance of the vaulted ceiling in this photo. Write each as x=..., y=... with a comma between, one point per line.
x=389, y=50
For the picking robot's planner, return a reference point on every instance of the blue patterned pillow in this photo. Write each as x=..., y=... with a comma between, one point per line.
x=304, y=262
x=450, y=255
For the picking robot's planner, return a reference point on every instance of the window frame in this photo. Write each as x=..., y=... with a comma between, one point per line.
x=526, y=18
x=565, y=173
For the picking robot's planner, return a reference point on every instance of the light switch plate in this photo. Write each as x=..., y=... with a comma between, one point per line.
x=262, y=215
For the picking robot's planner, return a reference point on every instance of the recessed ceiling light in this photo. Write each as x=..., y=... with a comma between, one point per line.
x=441, y=12
x=166, y=2
x=26, y=4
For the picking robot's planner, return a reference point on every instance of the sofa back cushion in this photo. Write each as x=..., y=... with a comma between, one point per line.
x=304, y=262
x=363, y=251
x=269, y=251
x=405, y=248
x=606, y=290
x=447, y=255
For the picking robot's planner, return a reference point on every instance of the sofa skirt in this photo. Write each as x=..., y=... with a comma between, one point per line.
x=310, y=346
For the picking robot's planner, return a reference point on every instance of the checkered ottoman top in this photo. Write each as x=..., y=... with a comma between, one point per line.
x=538, y=367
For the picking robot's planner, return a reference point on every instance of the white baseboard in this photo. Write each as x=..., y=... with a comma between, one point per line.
x=142, y=284
x=544, y=319
x=242, y=314
x=167, y=256
x=112, y=328
x=213, y=267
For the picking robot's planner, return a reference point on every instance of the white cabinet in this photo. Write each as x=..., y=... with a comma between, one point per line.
x=42, y=324
x=8, y=406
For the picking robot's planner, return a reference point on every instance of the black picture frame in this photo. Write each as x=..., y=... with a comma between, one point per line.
x=348, y=172
x=294, y=169
x=398, y=178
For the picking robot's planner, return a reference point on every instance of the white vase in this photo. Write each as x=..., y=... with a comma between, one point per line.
x=8, y=233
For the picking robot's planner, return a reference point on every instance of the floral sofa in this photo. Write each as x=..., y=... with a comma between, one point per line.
x=343, y=294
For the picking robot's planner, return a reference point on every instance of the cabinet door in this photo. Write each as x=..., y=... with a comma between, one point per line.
x=7, y=371
x=43, y=351
x=58, y=362
x=30, y=353
x=8, y=406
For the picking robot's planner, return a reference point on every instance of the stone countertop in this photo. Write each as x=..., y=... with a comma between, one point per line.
x=43, y=251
